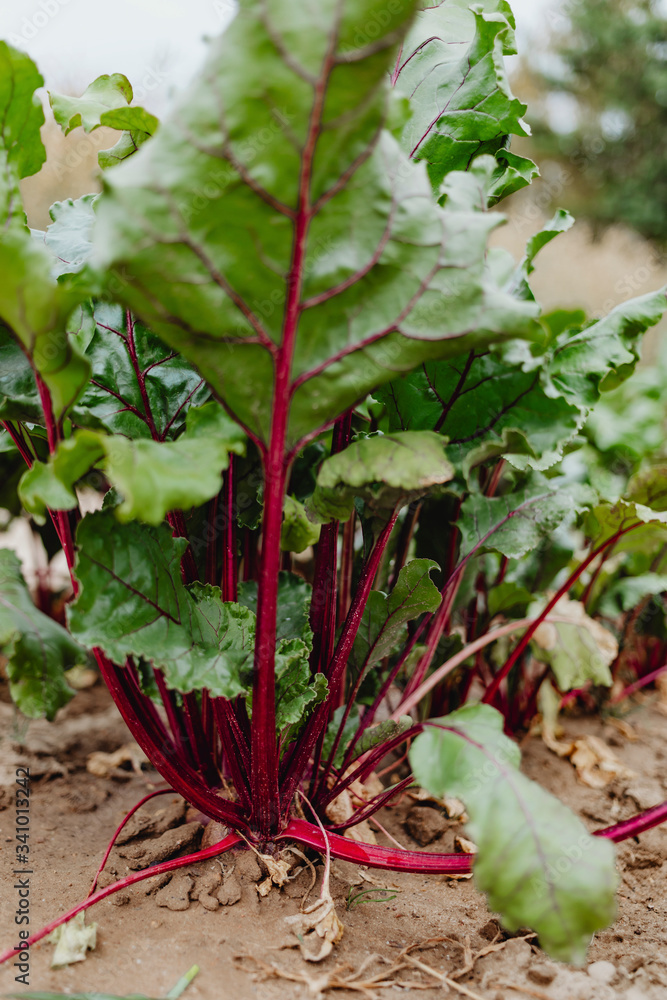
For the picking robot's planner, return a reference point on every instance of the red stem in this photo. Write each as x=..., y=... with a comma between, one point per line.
x=229, y=557
x=350, y=629
x=264, y=756
x=163, y=754
x=128, y=816
x=231, y=840
x=637, y=685
x=522, y=645
x=375, y=857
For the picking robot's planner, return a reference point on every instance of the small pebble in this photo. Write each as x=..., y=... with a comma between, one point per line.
x=602, y=972
x=541, y=974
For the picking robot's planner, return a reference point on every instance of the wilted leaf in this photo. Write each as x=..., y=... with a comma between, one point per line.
x=577, y=650
x=72, y=941
x=596, y=764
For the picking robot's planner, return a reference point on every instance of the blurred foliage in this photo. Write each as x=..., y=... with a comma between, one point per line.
x=609, y=58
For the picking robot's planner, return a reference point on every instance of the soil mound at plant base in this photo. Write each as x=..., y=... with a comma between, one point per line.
x=212, y=913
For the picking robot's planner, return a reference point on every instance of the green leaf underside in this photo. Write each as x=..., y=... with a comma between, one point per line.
x=201, y=223
x=152, y=477
x=38, y=650
x=68, y=238
x=384, y=470
x=451, y=70
x=537, y=863
x=133, y=603
x=298, y=531
x=384, y=619
x=515, y=524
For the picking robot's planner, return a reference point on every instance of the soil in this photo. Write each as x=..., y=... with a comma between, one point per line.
x=149, y=936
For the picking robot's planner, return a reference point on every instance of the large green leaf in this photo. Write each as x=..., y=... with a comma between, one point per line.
x=384, y=470
x=38, y=650
x=281, y=133
x=33, y=306
x=537, y=863
x=153, y=477
x=451, y=70
x=133, y=602
x=385, y=617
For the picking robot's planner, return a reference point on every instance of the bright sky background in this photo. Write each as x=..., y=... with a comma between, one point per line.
x=156, y=43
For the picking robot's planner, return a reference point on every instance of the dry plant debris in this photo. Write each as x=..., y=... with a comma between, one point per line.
x=344, y=977
x=108, y=765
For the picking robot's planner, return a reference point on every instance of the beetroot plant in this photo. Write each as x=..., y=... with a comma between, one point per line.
x=327, y=422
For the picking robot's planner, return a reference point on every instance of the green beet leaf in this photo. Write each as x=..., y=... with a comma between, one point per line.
x=451, y=70
x=68, y=238
x=38, y=650
x=22, y=151
x=201, y=224
x=106, y=102
x=516, y=523
x=33, y=307
x=298, y=531
x=536, y=862
x=603, y=354
x=294, y=595
x=153, y=477
x=132, y=602
x=484, y=407
x=297, y=691
x=384, y=470
x=121, y=352
x=385, y=617
x=628, y=592
x=19, y=399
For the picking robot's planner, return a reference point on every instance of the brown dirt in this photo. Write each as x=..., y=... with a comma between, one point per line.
x=144, y=947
